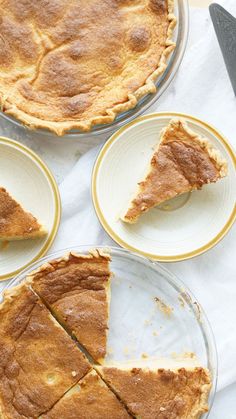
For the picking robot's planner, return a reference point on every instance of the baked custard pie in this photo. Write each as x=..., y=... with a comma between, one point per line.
x=76, y=288
x=182, y=162
x=38, y=360
x=90, y=398
x=15, y=222
x=160, y=393
x=76, y=63
x=45, y=374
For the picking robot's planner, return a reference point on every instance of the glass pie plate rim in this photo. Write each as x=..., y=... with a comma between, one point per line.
x=162, y=83
x=159, y=269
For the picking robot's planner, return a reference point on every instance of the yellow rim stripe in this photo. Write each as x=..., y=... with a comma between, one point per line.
x=109, y=230
x=57, y=216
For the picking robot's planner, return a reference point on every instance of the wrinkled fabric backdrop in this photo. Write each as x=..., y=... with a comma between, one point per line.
x=201, y=88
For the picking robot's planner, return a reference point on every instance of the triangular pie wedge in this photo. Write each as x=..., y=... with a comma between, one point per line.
x=15, y=222
x=39, y=361
x=160, y=393
x=76, y=288
x=91, y=399
x=182, y=162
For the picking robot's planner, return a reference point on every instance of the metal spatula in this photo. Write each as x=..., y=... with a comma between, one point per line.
x=225, y=28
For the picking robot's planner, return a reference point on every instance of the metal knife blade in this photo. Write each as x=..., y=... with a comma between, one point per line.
x=225, y=28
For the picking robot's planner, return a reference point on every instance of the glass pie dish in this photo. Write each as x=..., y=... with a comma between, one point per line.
x=152, y=314
x=174, y=61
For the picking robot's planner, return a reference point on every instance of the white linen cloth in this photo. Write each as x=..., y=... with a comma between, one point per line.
x=201, y=88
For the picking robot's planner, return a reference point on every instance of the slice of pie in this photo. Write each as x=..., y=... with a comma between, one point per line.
x=160, y=393
x=182, y=162
x=74, y=64
x=39, y=361
x=76, y=289
x=15, y=222
x=89, y=399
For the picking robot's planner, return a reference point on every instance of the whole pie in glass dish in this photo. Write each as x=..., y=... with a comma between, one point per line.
x=76, y=64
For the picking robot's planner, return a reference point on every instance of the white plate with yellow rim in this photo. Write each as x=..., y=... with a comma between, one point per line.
x=190, y=224
x=31, y=183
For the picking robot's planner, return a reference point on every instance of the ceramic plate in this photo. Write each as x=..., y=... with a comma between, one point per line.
x=182, y=228
x=152, y=314
x=30, y=182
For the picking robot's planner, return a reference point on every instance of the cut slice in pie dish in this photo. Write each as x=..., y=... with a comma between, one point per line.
x=76, y=289
x=182, y=162
x=39, y=362
x=15, y=222
x=160, y=393
x=90, y=398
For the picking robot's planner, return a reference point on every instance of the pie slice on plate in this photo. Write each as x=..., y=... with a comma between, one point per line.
x=182, y=162
x=15, y=222
x=90, y=399
x=76, y=289
x=39, y=361
x=160, y=393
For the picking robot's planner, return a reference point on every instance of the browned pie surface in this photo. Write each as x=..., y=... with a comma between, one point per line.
x=182, y=162
x=76, y=289
x=162, y=394
x=15, y=223
x=89, y=399
x=66, y=64
x=39, y=362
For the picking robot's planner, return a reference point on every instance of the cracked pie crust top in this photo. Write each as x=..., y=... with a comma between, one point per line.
x=74, y=64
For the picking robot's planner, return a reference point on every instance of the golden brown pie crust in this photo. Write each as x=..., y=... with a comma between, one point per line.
x=164, y=394
x=71, y=65
x=39, y=362
x=76, y=288
x=15, y=222
x=89, y=399
x=182, y=162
